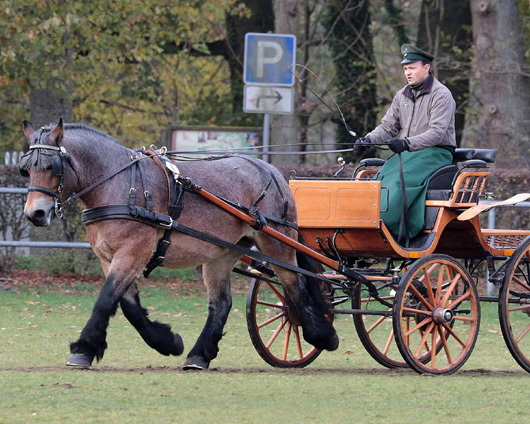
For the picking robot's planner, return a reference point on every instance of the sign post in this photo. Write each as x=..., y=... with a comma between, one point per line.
x=268, y=77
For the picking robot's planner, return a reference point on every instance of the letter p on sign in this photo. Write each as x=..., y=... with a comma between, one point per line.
x=269, y=59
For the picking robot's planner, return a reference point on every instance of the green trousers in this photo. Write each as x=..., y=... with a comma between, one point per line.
x=417, y=168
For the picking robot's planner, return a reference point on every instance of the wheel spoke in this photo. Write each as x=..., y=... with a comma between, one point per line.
x=276, y=291
x=375, y=324
x=433, y=346
x=286, y=343
x=274, y=318
x=450, y=289
x=521, y=283
x=272, y=305
x=519, y=308
x=275, y=334
x=450, y=330
x=421, y=324
x=458, y=300
x=298, y=341
x=446, y=346
x=429, y=288
x=388, y=342
x=464, y=319
x=421, y=298
x=524, y=333
x=417, y=311
x=440, y=284
x=424, y=340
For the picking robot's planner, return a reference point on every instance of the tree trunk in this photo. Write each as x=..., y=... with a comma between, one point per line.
x=445, y=31
x=284, y=128
x=261, y=20
x=47, y=106
x=502, y=74
x=353, y=57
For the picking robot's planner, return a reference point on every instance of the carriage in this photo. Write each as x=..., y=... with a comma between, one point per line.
x=419, y=306
x=414, y=303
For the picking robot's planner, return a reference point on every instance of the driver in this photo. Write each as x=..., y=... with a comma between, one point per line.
x=420, y=125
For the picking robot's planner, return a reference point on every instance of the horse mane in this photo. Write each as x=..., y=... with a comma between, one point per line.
x=42, y=159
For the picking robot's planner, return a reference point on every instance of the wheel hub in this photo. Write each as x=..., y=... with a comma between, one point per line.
x=441, y=315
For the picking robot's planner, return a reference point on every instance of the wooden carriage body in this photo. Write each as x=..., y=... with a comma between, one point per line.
x=347, y=212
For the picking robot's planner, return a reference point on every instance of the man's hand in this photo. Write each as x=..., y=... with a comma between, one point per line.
x=361, y=144
x=398, y=145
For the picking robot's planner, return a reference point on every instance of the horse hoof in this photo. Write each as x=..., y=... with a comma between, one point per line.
x=178, y=345
x=195, y=363
x=79, y=360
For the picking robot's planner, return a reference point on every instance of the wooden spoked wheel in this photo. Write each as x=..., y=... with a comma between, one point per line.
x=436, y=313
x=276, y=339
x=375, y=331
x=514, y=305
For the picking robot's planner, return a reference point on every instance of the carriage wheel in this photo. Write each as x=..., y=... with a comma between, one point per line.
x=375, y=331
x=514, y=305
x=436, y=313
x=277, y=340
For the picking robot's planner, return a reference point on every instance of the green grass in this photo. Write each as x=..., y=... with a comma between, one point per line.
x=135, y=384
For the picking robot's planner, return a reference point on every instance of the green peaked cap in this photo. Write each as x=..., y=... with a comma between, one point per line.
x=411, y=54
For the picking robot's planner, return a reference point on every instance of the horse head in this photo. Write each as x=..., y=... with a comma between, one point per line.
x=45, y=165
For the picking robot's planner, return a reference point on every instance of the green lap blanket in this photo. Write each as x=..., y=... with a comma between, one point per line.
x=417, y=168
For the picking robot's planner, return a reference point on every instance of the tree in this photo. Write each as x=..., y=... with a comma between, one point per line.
x=348, y=23
x=110, y=65
x=502, y=73
x=445, y=31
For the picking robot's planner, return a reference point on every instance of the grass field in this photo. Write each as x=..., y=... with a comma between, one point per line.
x=135, y=384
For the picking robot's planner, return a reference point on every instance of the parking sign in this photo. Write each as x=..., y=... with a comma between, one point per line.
x=268, y=58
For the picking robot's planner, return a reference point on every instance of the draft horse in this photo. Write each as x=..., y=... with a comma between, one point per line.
x=67, y=161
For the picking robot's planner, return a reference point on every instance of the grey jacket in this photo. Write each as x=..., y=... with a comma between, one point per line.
x=428, y=120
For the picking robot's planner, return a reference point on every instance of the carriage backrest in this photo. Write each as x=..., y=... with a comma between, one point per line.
x=462, y=155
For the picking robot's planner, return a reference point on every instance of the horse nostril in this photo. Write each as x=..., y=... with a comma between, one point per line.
x=39, y=215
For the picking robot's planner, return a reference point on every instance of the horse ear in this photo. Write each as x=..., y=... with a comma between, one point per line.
x=57, y=134
x=28, y=129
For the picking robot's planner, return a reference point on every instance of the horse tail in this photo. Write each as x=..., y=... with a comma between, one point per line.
x=312, y=284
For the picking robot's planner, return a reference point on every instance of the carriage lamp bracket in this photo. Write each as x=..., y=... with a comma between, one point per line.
x=342, y=164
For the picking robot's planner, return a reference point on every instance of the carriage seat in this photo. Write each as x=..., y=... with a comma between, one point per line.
x=440, y=185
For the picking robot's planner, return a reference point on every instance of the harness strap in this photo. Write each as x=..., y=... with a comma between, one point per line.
x=90, y=216
x=260, y=165
x=76, y=196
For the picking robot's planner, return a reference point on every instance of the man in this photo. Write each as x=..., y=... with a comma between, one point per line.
x=420, y=126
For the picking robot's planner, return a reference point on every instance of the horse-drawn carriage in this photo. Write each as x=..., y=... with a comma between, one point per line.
x=419, y=306
x=414, y=303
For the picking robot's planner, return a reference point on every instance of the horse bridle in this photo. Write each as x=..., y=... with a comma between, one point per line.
x=57, y=170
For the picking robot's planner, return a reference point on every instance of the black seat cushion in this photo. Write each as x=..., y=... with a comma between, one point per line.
x=487, y=155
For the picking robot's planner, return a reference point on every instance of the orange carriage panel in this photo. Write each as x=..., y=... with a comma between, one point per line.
x=337, y=204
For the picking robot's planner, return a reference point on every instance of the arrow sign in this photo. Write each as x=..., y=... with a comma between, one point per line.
x=268, y=99
x=276, y=95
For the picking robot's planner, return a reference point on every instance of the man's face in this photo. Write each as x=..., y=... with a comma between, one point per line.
x=415, y=72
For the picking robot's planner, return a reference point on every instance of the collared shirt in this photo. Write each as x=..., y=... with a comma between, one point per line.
x=425, y=120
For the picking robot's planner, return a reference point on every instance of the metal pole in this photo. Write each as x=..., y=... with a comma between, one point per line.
x=266, y=135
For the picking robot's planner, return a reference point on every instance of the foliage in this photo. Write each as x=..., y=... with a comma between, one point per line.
x=112, y=62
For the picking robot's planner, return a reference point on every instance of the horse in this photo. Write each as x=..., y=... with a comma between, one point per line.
x=65, y=159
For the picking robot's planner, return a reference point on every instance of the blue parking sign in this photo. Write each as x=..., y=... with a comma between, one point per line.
x=269, y=59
